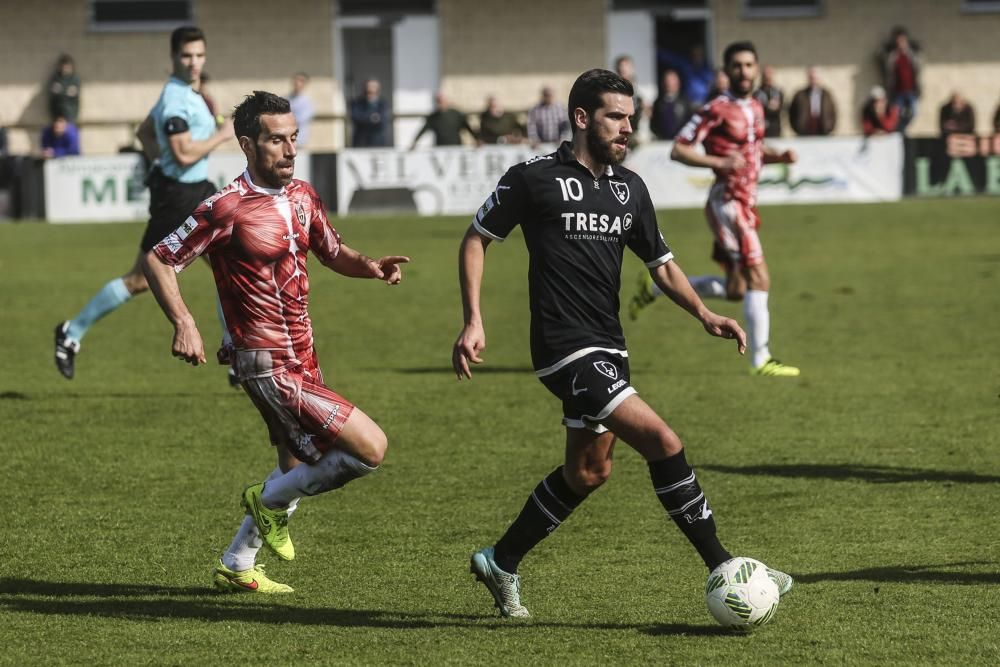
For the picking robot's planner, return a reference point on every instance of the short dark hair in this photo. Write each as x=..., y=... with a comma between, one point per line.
x=184, y=35
x=246, y=116
x=588, y=88
x=738, y=47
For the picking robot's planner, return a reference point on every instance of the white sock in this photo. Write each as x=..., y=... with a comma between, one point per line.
x=243, y=551
x=758, y=326
x=334, y=470
x=708, y=287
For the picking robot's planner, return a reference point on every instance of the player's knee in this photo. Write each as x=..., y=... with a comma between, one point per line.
x=667, y=441
x=590, y=476
x=373, y=446
x=735, y=293
x=135, y=283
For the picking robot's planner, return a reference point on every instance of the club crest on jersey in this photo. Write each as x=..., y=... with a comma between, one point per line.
x=300, y=214
x=607, y=369
x=621, y=191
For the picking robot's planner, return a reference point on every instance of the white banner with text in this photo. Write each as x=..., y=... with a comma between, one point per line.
x=110, y=189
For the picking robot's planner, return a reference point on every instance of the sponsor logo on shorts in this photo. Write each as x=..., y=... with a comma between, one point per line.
x=574, y=389
x=621, y=191
x=333, y=415
x=616, y=386
x=607, y=369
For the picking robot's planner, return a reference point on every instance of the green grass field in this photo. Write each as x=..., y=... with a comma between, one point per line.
x=874, y=478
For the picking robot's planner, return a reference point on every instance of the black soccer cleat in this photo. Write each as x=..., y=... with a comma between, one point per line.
x=66, y=350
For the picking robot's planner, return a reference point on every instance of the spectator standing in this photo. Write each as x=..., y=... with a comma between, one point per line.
x=370, y=117
x=996, y=120
x=813, y=111
x=61, y=138
x=497, y=125
x=625, y=67
x=901, y=70
x=548, y=122
x=671, y=109
x=64, y=91
x=696, y=73
x=302, y=108
x=957, y=116
x=773, y=100
x=878, y=115
x=720, y=84
x=445, y=123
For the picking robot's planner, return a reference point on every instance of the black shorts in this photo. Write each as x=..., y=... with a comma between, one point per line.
x=170, y=204
x=590, y=388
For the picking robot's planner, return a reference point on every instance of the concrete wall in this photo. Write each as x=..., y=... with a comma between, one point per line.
x=959, y=52
x=122, y=72
x=510, y=49
x=513, y=48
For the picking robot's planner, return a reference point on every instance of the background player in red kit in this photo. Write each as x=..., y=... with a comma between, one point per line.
x=257, y=232
x=731, y=129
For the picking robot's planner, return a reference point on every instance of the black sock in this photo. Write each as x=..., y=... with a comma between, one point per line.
x=677, y=488
x=550, y=504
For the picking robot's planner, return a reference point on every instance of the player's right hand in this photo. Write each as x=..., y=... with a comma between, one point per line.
x=188, y=345
x=733, y=162
x=470, y=343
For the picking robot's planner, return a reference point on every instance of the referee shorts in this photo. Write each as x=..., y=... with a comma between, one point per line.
x=590, y=388
x=734, y=225
x=170, y=204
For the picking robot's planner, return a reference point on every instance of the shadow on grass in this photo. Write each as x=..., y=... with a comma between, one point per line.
x=873, y=474
x=135, y=395
x=905, y=574
x=476, y=370
x=153, y=602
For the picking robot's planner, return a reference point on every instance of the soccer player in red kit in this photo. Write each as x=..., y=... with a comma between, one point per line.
x=257, y=231
x=731, y=129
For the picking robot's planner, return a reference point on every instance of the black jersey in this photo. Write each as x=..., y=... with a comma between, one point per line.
x=576, y=229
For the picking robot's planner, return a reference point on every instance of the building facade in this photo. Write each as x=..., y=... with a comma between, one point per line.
x=469, y=49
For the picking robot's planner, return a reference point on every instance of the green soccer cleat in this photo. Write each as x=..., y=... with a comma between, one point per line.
x=272, y=523
x=643, y=295
x=774, y=368
x=783, y=581
x=247, y=581
x=503, y=586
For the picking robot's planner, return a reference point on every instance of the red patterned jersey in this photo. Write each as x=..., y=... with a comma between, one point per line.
x=727, y=125
x=257, y=239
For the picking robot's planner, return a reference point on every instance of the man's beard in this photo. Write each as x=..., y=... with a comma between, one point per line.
x=273, y=177
x=601, y=151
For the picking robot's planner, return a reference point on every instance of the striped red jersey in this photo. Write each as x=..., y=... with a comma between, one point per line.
x=727, y=125
x=257, y=239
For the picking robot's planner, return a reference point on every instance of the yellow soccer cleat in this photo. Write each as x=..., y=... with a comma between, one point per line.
x=247, y=581
x=272, y=523
x=774, y=368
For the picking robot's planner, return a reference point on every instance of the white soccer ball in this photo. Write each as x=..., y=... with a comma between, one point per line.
x=740, y=595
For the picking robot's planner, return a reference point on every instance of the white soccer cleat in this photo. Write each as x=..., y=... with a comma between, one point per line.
x=505, y=587
x=783, y=581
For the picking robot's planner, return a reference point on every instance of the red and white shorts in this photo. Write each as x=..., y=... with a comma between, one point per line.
x=735, y=227
x=302, y=413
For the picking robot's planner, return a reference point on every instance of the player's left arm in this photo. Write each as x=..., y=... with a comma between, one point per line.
x=325, y=243
x=351, y=263
x=774, y=156
x=674, y=283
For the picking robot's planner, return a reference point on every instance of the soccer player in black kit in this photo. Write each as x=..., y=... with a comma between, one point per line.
x=578, y=209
